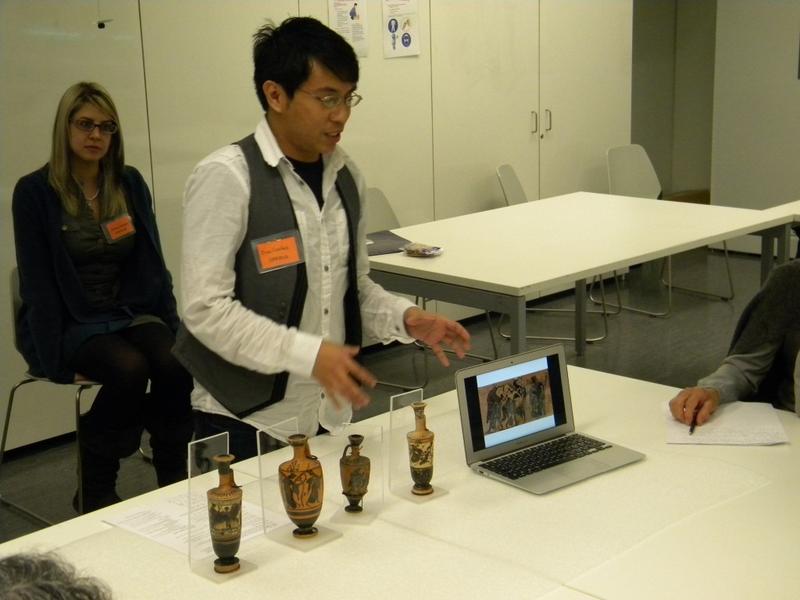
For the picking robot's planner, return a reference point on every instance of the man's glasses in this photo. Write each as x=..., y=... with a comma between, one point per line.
x=87, y=126
x=331, y=101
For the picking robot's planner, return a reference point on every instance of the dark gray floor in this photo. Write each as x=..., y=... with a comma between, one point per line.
x=674, y=351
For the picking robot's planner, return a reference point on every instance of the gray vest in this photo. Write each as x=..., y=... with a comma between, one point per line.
x=278, y=295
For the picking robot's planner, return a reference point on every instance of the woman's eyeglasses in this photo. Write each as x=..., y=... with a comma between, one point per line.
x=87, y=126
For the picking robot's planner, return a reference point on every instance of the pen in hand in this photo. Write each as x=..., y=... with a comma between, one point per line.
x=694, y=421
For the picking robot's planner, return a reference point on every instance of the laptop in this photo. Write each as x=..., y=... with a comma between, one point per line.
x=518, y=427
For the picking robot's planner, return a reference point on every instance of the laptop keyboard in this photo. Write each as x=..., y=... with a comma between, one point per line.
x=545, y=455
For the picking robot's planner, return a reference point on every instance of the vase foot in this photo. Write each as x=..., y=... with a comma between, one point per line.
x=422, y=490
x=305, y=533
x=353, y=508
x=226, y=565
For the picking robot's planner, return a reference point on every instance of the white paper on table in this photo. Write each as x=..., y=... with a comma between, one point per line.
x=733, y=424
x=167, y=523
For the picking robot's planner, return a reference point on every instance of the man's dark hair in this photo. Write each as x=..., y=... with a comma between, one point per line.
x=283, y=54
x=44, y=577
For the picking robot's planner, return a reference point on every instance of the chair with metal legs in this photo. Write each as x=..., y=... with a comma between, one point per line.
x=630, y=173
x=16, y=304
x=515, y=194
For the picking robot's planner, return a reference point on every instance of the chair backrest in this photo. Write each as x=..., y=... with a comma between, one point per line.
x=16, y=304
x=380, y=214
x=630, y=172
x=509, y=183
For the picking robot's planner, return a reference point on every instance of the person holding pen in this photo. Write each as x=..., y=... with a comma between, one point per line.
x=762, y=363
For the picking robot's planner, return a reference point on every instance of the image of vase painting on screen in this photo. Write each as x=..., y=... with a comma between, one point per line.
x=420, y=452
x=354, y=469
x=515, y=402
x=301, y=487
x=225, y=516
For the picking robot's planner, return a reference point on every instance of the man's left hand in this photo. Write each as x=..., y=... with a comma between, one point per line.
x=433, y=330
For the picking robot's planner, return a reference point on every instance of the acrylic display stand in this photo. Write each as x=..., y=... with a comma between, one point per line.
x=272, y=504
x=401, y=421
x=202, y=477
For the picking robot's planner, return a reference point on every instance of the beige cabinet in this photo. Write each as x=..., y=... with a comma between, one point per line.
x=543, y=85
x=584, y=91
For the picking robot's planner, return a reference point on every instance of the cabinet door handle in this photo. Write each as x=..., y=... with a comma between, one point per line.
x=549, y=119
x=534, y=121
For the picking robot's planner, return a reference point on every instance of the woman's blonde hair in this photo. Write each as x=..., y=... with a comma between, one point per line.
x=112, y=198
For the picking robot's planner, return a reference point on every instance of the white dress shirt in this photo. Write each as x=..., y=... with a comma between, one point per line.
x=215, y=210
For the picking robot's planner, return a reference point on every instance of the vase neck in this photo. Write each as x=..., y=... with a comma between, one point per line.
x=226, y=479
x=421, y=423
x=300, y=451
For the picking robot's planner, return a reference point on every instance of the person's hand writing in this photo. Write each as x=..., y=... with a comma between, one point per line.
x=704, y=401
x=342, y=377
x=434, y=330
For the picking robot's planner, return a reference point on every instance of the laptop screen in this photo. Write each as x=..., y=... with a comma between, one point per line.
x=514, y=401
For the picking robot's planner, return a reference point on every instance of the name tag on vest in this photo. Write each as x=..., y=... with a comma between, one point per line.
x=118, y=228
x=277, y=251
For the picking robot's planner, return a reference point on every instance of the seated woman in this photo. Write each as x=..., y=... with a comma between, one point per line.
x=97, y=296
x=762, y=363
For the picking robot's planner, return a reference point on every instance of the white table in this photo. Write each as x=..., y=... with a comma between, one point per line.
x=497, y=259
x=687, y=522
x=789, y=211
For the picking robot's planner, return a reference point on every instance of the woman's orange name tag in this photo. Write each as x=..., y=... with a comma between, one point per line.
x=118, y=228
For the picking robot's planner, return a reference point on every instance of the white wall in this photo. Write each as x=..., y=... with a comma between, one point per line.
x=673, y=88
x=756, y=104
x=653, y=83
x=197, y=57
x=756, y=147
x=694, y=95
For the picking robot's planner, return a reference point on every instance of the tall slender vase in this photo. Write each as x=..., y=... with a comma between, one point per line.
x=354, y=470
x=225, y=516
x=301, y=487
x=420, y=452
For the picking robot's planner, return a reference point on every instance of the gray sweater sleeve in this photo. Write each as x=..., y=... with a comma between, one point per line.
x=739, y=375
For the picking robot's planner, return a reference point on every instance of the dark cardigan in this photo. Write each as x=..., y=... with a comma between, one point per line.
x=52, y=294
x=773, y=315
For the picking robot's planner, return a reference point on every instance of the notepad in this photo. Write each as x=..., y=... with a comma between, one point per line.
x=733, y=424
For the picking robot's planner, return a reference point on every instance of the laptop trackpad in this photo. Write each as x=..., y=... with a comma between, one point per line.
x=580, y=469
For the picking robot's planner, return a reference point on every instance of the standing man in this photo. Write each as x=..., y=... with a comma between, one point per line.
x=275, y=274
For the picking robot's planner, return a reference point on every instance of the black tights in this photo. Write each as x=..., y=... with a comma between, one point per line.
x=124, y=362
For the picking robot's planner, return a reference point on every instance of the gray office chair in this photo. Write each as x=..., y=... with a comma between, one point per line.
x=16, y=304
x=514, y=194
x=630, y=173
x=381, y=216
x=509, y=183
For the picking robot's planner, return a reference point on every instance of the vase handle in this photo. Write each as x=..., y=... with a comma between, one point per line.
x=344, y=453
